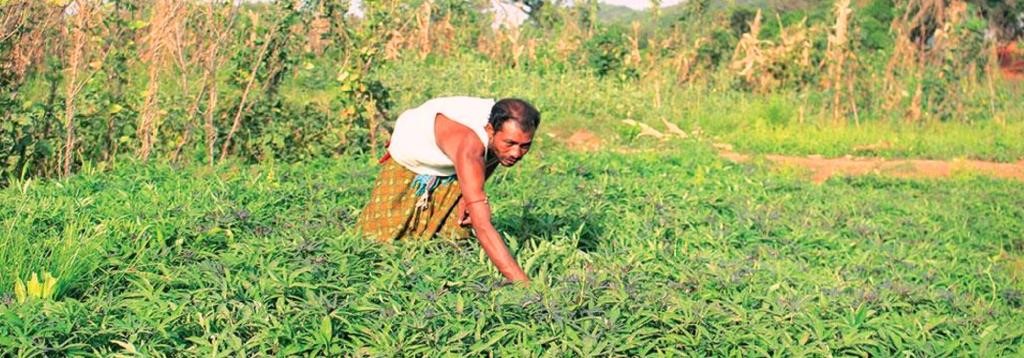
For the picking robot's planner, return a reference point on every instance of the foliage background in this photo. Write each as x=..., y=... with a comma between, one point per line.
x=202, y=82
x=215, y=157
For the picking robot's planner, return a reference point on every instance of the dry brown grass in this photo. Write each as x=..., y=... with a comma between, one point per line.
x=992, y=77
x=157, y=53
x=188, y=48
x=443, y=36
x=12, y=22
x=765, y=65
x=837, y=59
x=901, y=64
x=243, y=103
x=516, y=46
x=487, y=45
x=914, y=55
x=197, y=50
x=395, y=43
x=25, y=24
x=315, y=42
x=421, y=33
x=11, y=19
x=569, y=40
x=633, y=59
x=507, y=46
x=84, y=56
x=684, y=62
x=219, y=18
x=748, y=56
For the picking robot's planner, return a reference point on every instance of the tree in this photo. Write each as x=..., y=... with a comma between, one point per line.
x=1006, y=17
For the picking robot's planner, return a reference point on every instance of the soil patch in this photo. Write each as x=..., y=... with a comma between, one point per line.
x=1011, y=61
x=823, y=168
x=584, y=140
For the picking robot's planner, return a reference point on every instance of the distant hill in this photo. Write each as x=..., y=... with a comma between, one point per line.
x=609, y=14
x=615, y=13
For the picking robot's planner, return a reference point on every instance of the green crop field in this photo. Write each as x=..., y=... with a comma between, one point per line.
x=183, y=178
x=630, y=254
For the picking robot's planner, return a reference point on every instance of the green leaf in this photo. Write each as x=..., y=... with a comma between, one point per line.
x=325, y=328
x=481, y=346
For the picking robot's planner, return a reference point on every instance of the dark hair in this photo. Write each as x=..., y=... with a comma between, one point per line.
x=515, y=109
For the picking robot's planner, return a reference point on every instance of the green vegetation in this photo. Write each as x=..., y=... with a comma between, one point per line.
x=182, y=179
x=188, y=82
x=634, y=254
x=752, y=123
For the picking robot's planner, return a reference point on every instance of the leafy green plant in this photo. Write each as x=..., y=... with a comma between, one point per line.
x=606, y=52
x=35, y=289
x=670, y=252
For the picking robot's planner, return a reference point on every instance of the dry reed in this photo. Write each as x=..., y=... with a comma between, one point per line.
x=25, y=25
x=748, y=59
x=157, y=52
x=78, y=69
x=991, y=78
x=243, y=104
x=925, y=39
x=188, y=54
x=765, y=65
x=212, y=59
x=421, y=33
x=837, y=56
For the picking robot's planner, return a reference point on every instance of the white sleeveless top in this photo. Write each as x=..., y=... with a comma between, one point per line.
x=413, y=143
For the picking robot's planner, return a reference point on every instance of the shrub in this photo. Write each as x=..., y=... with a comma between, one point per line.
x=606, y=51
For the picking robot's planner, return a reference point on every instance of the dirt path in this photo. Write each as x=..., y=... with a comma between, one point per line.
x=823, y=168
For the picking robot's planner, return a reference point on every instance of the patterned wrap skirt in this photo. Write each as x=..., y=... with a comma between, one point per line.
x=404, y=205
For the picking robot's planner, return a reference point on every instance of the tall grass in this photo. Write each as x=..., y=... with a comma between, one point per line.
x=95, y=94
x=769, y=123
x=47, y=233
